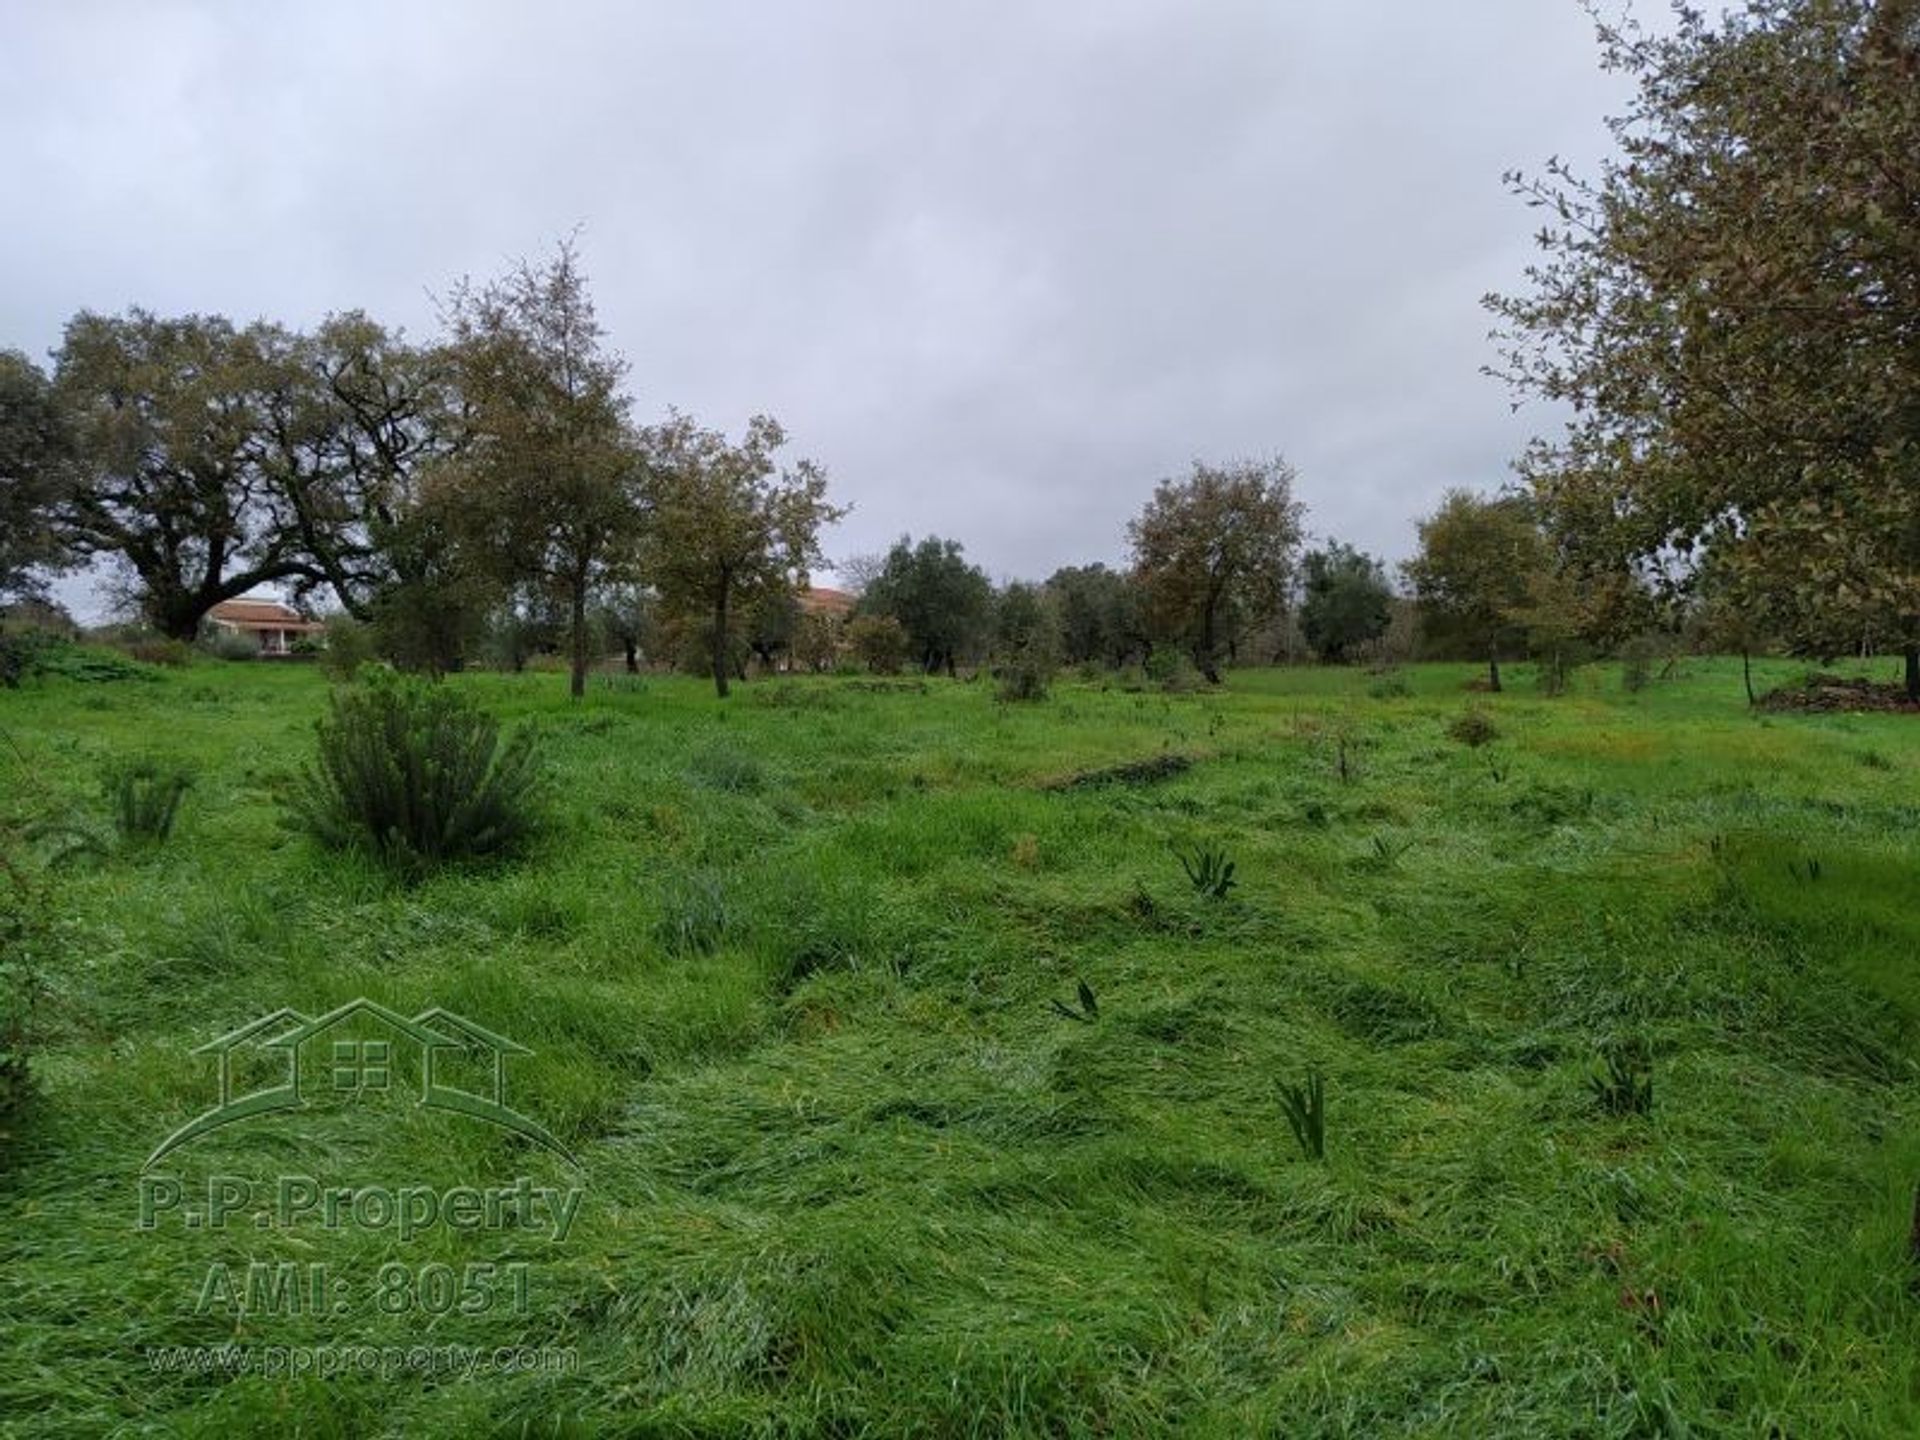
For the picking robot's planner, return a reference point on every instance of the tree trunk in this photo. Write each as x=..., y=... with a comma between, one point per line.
x=577, y=684
x=1204, y=651
x=720, y=641
x=633, y=655
x=1493, y=673
x=1913, y=673
x=1746, y=672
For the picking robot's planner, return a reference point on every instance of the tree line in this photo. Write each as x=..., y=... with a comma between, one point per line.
x=420, y=488
x=1728, y=311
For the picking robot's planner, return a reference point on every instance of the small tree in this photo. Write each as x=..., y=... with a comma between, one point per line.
x=1101, y=619
x=1214, y=550
x=546, y=492
x=816, y=640
x=1026, y=644
x=729, y=528
x=1346, y=601
x=879, y=642
x=942, y=603
x=1473, y=574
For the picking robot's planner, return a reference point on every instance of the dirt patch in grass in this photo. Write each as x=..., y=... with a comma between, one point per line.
x=1826, y=693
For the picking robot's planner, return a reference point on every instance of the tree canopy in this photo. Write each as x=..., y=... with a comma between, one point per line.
x=1215, y=551
x=1729, y=309
x=1345, y=603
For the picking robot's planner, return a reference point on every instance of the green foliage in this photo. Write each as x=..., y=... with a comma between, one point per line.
x=415, y=774
x=1346, y=601
x=1390, y=685
x=1026, y=643
x=224, y=644
x=1626, y=1085
x=1728, y=309
x=1477, y=557
x=1101, y=619
x=943, y=604
x=164, y=650
x=36, y=475
x=547, y=496
x=25, y=653
x=1305, y=1107
x=350, y=644
x=143, y=795
x=1473, y=727
x=730, y=534
x=879, y=642
x=1636, y=663
x=1209, y=870
x=1215, y=551
x=91, y=666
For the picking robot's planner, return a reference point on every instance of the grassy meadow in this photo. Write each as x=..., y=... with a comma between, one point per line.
x=788, y=966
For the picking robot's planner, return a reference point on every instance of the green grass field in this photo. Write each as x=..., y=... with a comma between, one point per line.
x=787, y=968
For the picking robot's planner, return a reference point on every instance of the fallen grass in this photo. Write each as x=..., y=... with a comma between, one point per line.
x=791, y=973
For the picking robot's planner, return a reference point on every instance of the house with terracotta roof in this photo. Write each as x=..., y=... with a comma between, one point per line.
x=825, y=600
x=273, y=626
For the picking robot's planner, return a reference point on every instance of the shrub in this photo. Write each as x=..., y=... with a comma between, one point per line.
x=224, y=644
x=1391, y=685
x=880, y=641
x=1174, y=673
x=350, y=644
x=1636, y=663
x=1025, y=677
x=89, y=666
x=144, y=796
x=1473, y=728
x=25, y=653
x=417, y=775
x=159, y=650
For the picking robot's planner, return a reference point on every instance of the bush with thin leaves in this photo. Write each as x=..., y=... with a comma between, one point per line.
x=411, y=772
x=144, y=795
x=1209, y=870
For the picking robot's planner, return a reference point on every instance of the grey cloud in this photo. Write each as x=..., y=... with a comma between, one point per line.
x=999, y=266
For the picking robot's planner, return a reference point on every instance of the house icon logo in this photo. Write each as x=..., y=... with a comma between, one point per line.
x=356, y=1051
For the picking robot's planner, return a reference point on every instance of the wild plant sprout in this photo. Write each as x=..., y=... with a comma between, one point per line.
x=1209, y=870
x=144, y=795
x=1089, y=1010
x=1626, y=1087
x=1306, y=1111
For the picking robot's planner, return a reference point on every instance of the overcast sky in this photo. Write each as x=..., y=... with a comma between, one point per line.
x=997, y=266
